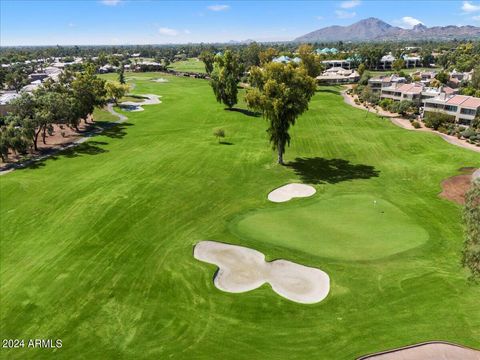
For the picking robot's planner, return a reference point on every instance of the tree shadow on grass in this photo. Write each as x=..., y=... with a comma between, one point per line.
x=225, y=143
x=113, y=130
x=330, y=91
x=245, y=112
x=319, y=170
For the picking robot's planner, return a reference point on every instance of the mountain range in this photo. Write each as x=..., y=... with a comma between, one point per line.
x=373, y=29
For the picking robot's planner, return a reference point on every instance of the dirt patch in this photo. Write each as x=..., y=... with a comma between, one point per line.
x=241, y=269
x=454, y=188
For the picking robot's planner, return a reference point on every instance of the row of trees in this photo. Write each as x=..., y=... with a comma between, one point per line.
x=471, y=216
x=65, y=103
x=280, y=92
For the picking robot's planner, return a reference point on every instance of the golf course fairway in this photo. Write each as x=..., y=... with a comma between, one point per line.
x=97, y=242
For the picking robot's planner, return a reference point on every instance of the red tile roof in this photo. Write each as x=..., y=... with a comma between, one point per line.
x=472, y=102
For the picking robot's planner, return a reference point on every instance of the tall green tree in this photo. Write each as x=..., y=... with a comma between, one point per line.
x=224, y=78
x=476, y=78
x=121, y=74
x=281, y=93
x=267, y=56
x=471, y=217
x=208, y=59
x=398, y=64
x=251, y=55
x=310, y=61
x=90, y=90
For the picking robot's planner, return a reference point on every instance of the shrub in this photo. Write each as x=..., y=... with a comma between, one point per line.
x=385, y=103
x=416, y=125
x=435, y=120
x=468, y=133
x=219, y=134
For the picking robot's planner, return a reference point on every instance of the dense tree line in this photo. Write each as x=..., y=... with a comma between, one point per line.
x=66, y=103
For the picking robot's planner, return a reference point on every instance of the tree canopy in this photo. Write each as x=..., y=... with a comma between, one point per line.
x=471, y=217
x=224, y=78
x=281, y=93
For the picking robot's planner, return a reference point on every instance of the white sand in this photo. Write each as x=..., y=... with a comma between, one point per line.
x=242, y=269
x=290, y=191
x=160, y=80
x=428, y=351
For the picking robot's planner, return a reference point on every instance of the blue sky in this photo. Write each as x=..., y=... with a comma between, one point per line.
x=95, y=22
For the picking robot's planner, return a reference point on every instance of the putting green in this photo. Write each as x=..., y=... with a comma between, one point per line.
x=347, y=227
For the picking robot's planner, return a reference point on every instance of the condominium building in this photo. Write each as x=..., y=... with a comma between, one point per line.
x=377, y=83
x=462, y=108
x=399, y=92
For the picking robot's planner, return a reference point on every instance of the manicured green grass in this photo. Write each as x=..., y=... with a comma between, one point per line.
x=407, y=71
x=189, y=65
x=96, y=243
x=103, y=115
x=346, y=227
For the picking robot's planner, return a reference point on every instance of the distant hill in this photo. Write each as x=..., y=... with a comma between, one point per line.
x=373, y=29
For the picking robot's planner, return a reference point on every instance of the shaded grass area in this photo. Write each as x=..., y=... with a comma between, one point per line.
x=96, y=248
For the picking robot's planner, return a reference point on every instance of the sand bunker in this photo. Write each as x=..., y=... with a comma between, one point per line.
x=150, y=99
x=454, y=188
x=290, y=191
x=241, y=269
x=434, y=350
x=160, y=80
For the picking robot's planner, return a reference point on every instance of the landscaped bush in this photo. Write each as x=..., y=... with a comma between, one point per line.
x=385, y=103
x=416, y=125
x=435, y=120
x=469, y=133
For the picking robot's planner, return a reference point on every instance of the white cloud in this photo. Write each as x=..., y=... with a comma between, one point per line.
x=470, y=7
x=71, y=24
x=319, y=17
x=110, y=2
x=476, y=18
x=218, y=7
x=167, y=31
x=186, y=31
x=350, y=4
x=408, y=22
x=345, y=14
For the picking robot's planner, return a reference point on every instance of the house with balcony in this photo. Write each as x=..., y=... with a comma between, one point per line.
x=462, y=108
x=412, y=61
x=399, y=92
x=386, y=62
x=345, y=64
x=377, y=83
x=338, y=75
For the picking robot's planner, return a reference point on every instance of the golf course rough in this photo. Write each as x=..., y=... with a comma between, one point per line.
x=241, y=269
x=96, y=243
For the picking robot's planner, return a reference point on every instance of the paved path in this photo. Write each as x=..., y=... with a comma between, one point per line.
x=405, y=124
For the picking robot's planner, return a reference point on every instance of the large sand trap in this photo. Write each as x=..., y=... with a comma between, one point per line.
x=150, y=99
x=435, y=350
x=160, y=80
x=290, y=191
x=242, y=269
